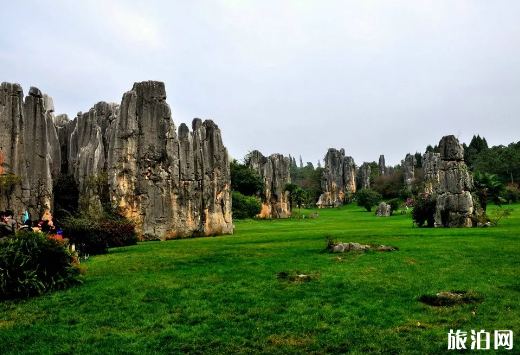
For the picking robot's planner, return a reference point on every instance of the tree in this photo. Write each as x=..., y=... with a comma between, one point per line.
x=389, y=186
x=418, y=160
x=245, y=180
x=368, y=198
x=434, y=149
x=244, y=206
x=487, y=187
x=424, y=210
x=475, y=147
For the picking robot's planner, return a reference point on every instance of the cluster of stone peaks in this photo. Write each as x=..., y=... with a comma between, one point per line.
x=172, y=184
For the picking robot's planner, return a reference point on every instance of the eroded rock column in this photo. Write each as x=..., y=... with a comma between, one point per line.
x=454, y=206
x=276, y=173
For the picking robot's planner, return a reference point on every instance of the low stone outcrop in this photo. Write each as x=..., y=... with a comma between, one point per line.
x=345, y=247
x=454, y=206
x=383, y=210
x=276, y=173
x=338, y=180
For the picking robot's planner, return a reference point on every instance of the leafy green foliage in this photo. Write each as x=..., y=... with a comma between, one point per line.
x=368, y=199
x=309, y=179
x=389, y=186
x=500, y=160
x=394, y=204
x=245, y=180
x=511, y=193
x=423, y=213
x=244, y=206
x=156, y=298
x=33, y=263
x=475, y=147
x=94, y=235
x=487, y=188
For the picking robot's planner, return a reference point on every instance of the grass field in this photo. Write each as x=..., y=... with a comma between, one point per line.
x=221, y=295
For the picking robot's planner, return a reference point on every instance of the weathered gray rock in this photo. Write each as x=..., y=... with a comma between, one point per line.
x=41, y=152
x=408, y=165
x=451, y=149
x=89, y=143
x=431, y=164
x=383, y=210
x=365, y=171
x=338, y=180
x=29, y=150
x=275, y=171
x=338, y=248
x=349, y=176
x=382, y=167
x=356, y=246
x=345, y=247
x=454, y=207
x=170, y=185
x=12, y=157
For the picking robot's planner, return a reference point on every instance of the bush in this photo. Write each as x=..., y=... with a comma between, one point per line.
x=95, y=236
x=368, y=199
x=245, y=180
x=394, y=204
x=511, y=193
x=389, y=186
x=244, y=206
x=33, y=263
x=404, y=194
x=424, y=210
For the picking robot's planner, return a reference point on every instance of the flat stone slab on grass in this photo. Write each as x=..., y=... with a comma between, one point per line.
x=343, y=247
x=451, y=298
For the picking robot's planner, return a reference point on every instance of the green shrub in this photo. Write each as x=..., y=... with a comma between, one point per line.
x=94, y=236
x=33, y=263
x=394, y=204
x=368, y=198
x=245, y=206
x=511, y=193
x=424, y=210
x=404, y=194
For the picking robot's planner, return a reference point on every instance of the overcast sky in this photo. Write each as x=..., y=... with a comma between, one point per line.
x=291, y=77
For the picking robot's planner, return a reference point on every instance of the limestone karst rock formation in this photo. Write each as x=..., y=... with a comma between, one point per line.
x=365, y=171
x=276, y=173
x=408, y=165
x=338, y=180
x=431, y=163
x=170, y=184
x=29, y=149
x=381, y=165
x=454, y=206
x=383, y=210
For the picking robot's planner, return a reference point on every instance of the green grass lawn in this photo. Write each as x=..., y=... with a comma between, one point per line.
x=221, y=296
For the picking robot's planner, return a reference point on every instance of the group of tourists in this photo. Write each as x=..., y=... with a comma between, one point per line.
x=9, y=226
